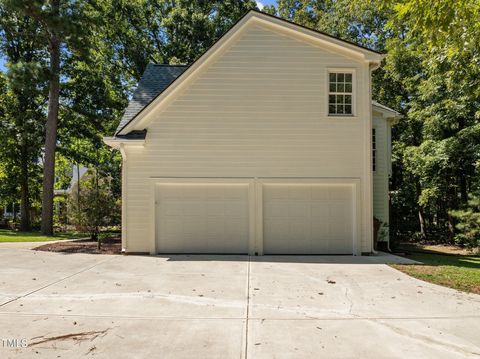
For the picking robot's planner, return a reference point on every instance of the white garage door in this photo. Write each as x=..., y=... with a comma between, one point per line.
x=308, y=218
x=202, y=218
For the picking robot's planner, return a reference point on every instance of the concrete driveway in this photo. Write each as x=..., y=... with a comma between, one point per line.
x=77, y=306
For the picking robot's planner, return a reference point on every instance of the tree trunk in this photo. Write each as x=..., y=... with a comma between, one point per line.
x=97, y=231
x=463, y=187
x=78, y=185
x=24, y=190
x=51, y=134
x=423, y=224
x=451, y=228
x=421, y=214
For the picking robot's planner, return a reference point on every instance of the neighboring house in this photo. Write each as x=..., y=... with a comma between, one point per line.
x=77, y=173
x=10, y=211
x=262, y=146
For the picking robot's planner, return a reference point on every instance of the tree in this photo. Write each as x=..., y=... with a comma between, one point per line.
x=21, y=120
x=65, y=26
x=170, y=32
x=445, y=38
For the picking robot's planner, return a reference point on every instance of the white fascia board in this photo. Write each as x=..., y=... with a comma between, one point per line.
x=339, y=46
x=386, y=112
x=116, y=142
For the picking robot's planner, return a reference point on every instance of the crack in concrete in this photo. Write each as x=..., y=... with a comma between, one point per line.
x=424, y=339
x=349, y=300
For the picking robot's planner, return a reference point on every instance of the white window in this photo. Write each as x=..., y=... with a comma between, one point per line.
x=340, y=93
x=374, y=149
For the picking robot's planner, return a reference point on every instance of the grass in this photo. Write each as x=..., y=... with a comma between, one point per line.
x=440, y=266
x=14, y=236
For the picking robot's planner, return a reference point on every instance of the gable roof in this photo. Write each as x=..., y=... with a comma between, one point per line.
x=133, y=120
x=135, y=114
x=335, y=38
x=153, y=81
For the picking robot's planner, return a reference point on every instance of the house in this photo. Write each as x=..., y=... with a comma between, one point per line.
x=261, y=146
x=77, y=173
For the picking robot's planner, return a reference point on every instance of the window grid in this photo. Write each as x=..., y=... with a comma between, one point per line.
x=340, y=93
x=374, y=149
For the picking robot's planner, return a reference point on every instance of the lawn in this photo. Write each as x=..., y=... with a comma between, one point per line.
x=14, y=236
x=440, y=266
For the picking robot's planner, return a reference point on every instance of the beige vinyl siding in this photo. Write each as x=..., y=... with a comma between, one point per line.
x=258, y=111
x=381, y=174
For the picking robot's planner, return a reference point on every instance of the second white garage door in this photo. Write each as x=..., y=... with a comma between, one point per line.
x=308, y=218
x=202, y=218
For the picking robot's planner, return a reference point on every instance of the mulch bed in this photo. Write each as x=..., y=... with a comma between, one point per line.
x=112, y=245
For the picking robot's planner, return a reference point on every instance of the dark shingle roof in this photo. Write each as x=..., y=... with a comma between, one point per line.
x=134, y=135
x=154, y=80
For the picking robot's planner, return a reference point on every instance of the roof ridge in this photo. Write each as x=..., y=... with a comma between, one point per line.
x=315, y=30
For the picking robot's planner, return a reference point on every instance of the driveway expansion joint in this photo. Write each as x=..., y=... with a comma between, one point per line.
x=247, y=309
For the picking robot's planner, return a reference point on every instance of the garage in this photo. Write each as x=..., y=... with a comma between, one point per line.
x=308, y=218
x=202, y=218
x=263, y=216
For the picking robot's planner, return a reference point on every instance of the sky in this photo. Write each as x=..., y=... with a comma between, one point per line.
x=262, y=3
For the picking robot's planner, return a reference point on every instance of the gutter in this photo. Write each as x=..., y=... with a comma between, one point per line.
x=116, y=142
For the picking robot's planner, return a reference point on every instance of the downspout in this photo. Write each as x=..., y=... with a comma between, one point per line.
x=124, y=197
x=372, y=66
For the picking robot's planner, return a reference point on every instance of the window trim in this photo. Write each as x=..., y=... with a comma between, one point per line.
x=345, y=70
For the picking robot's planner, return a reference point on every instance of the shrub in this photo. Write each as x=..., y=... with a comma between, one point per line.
x=93, y=206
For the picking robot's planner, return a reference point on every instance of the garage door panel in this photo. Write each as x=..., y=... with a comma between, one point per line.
x=320, y=193
x=273, y=209
x=319, y=211
x=299, y=209
x=340, y=193
x=298, y=229
x=312, y=219
x=321, y=228
x=202, y=218
x=236, y=209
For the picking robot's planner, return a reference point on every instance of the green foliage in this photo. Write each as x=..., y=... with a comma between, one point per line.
x=440, y=137
x=468, y=223
x=174, y=32
x=63, y=172
x=93, y=206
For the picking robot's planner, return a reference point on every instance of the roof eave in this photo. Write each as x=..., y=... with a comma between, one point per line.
x=388, y=113
x=116, y=142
